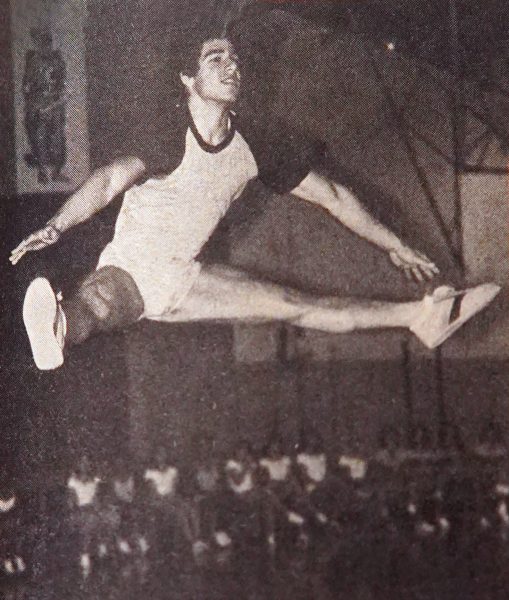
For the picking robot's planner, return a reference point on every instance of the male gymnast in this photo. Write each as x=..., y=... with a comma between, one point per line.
x=150, y=268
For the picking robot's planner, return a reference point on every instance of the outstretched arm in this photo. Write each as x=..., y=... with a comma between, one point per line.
x=95, y=194
x=346, y=208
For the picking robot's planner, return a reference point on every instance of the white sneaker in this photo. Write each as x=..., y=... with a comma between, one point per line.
x=446, y=310
x=44, y=319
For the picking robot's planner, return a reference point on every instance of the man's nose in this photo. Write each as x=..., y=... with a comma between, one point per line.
x=231, y=67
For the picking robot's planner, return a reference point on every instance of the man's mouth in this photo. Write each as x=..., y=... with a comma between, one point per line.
x=231, y=81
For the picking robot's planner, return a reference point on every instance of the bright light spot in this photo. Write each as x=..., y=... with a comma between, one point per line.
x=390, y=46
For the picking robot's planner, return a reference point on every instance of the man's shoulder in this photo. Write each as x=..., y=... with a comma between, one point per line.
x=248, y=122
x=159, y=144
x=272, y=136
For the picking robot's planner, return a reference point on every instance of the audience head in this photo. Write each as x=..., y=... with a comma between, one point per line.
x=243, y=451
x=161, y=457
x=491, y=435
x=84, y=466
x=421, y=438
x=451, y=439
x=389, y=438
x=311, y=443
x=274, y=448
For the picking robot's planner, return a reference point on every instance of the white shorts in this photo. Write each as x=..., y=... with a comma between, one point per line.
x=163, y=287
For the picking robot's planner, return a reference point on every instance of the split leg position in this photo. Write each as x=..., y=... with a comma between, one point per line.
x=109, y=299
x=164, y=222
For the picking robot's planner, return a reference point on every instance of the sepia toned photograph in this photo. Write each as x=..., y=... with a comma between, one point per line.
x=255, y=270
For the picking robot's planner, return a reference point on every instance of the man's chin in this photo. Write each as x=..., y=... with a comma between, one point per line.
x=230, y=99
x=227, y=99
x=232, y=96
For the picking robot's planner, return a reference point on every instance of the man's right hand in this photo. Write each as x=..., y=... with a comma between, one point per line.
x=38, y=240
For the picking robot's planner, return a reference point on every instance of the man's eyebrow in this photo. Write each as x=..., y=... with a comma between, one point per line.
x=214, y=51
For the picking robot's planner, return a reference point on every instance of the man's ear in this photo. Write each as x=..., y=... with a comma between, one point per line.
x=187, y=81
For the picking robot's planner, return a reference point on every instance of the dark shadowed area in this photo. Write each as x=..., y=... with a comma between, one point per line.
x=427, y=518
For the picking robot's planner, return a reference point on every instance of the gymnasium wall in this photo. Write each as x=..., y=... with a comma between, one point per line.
x=157, y=383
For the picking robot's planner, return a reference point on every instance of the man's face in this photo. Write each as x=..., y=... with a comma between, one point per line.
x=275, y=450
x=218, y=76
x=84, y=466
x=161, y=458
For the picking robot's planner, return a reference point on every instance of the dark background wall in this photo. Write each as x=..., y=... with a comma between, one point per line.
x=6, y=103
x=172, y=384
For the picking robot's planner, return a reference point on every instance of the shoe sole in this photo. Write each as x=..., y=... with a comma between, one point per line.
x=39, y=311
x=486, y=293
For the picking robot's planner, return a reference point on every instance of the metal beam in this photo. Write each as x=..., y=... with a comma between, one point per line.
x=419, y=171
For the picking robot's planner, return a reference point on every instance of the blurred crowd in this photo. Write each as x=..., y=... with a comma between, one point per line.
x=410, y=506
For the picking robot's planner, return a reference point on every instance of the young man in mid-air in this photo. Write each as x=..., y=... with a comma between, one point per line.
x=149, y=269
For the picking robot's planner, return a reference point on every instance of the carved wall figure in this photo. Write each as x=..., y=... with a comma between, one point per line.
x=45, y=107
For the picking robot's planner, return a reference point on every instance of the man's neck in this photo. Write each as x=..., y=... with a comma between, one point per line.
x=211, y=119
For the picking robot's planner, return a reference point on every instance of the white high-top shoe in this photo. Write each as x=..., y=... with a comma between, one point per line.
x=45, y=324
x=447, y=309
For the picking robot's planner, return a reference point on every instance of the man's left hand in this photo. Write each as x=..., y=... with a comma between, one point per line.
x=415, y=265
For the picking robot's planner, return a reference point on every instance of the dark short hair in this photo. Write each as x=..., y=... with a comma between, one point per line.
x=311, y=441
x=187, y=55
x=180, y=49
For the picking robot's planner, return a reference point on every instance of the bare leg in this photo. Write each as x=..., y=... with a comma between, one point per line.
x=223, y=293
x=109, y=299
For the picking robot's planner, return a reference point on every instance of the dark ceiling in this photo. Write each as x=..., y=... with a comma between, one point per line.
x=421, y=28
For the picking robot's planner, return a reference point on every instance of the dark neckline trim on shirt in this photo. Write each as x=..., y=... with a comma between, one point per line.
x=213, y=149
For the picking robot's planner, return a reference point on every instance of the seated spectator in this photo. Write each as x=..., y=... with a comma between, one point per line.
x=281, y=477
x=171, y=522
x=491, y=443
x=422, y=444
x=83, y=500
x=245, y=524
x=387, y=469
x=208, y=486
x=357, y=467
x=460, y=494
x=245, y=516
x=127, y=500
x=452, y=444
x=312, y=462
x=328, y=505
x=323, y=496
x=390, y=448
x=162, y=476
x=240, y=469
x=11, y=531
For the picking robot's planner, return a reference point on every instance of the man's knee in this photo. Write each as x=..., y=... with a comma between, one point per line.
x=112, y=296
x=99, y=300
